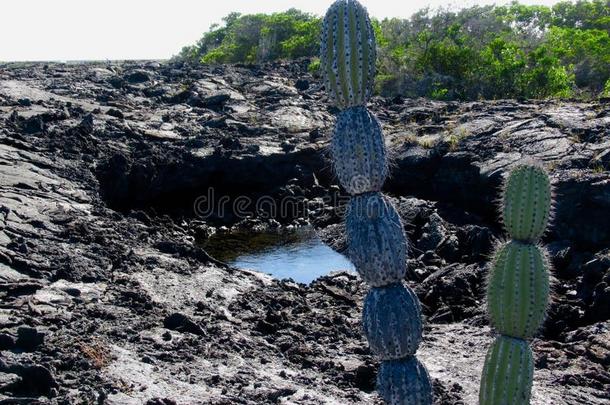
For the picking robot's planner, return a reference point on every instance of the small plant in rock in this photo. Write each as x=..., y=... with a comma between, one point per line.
x=314, y=67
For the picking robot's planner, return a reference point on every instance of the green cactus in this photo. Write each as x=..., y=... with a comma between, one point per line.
x=377, y=244
x=508, y=373
x=348, y=53
x=518, y=288
x=527, y=202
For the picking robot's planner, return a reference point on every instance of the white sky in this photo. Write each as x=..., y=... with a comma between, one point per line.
x=146, y=29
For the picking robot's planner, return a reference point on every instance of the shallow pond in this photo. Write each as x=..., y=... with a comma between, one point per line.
x=299, y=254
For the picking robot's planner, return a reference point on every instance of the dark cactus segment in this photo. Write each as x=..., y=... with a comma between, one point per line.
x=392, y=321
x=518, y=289
x=527, y=202
x=508, y=373
x=358, y=151
x=348, y=53
x=377, y=244
x=404, y=382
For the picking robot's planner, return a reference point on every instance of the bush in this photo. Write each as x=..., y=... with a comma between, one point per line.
x=258, y=38
x=314, y=67
x=486, y=52
x=606, y=92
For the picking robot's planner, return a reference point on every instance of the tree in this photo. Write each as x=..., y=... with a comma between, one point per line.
x=493, y=52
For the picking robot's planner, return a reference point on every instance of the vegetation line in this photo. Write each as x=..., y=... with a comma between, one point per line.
x=480, y=52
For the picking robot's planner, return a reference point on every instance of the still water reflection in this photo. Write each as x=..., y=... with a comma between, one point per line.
x=299, y=255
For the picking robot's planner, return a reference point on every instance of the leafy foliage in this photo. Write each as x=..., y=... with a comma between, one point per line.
x=258, y=38
x=478, y=52
x=606, y=92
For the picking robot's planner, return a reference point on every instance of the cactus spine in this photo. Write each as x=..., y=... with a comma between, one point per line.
x=518, y=288
x=377, y=244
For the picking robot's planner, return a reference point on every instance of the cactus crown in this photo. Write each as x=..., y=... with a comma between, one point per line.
x=348, y=53
x=526, y=202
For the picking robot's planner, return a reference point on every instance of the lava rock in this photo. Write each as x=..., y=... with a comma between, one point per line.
x=214, y=102
x=365, y=377
x=34, y=380
x=302, y=84
x=182, y=323
x=161, y=401
x=453, y=293
x=28, y=338
x=137, y=76
x=7, y=341
x=113, y=112
x=72, y=175
x=116, y=81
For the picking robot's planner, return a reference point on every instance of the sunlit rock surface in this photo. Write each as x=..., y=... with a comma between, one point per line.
x=107, y=296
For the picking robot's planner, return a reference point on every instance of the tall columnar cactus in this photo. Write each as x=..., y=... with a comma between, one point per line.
x=377, y=244
x=518, y=288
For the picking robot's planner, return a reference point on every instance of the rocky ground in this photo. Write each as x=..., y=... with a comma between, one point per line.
x=107, y=298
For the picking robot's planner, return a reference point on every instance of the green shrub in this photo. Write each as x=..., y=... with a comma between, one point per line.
x=606, y=92
x=314, y=67
x=487, y=52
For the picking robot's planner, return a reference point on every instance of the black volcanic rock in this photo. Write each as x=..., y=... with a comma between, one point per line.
x=105, y=200
x=182, y=323
x=29, y=338
x=137, y=76
x=33, y=380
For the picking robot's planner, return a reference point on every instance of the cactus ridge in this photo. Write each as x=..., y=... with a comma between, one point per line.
x=348, y=53
x=527, y=202
x=507, y=373
x=358, y=151
x=377, y=244
x=518, y=289
x=391, y=320
x=404, y=382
